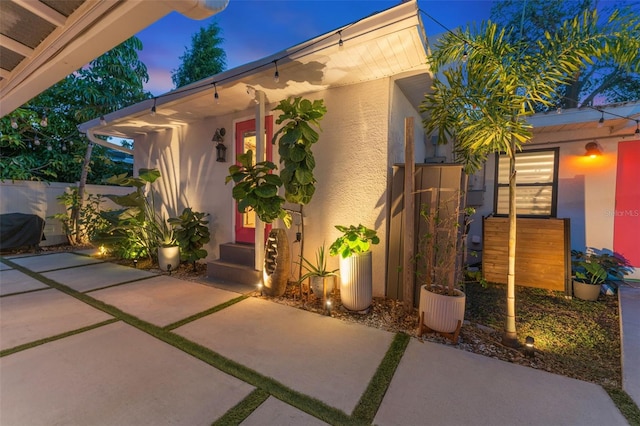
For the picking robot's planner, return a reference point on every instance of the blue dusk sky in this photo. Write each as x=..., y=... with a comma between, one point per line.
x=253, y=29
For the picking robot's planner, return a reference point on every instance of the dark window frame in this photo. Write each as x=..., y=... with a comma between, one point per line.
x=554, y=184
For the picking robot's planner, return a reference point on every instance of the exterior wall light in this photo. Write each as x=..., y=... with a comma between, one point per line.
x=221, y=150
x=593, y=150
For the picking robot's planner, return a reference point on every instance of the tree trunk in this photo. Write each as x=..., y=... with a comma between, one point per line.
x=510, y=337
x=81, y=185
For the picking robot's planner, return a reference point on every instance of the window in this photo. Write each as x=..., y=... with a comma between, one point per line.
x=536, y=183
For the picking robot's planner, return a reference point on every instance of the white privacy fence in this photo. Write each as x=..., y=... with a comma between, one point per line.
x=39, y=198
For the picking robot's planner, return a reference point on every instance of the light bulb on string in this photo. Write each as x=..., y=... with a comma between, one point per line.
x=64, y=147
x=153, y=108
x=45, y=121
x=276, y=75
x=215, y=93
x=14, y=123
x=49, y=147
x=601, y=121
x=103, y=121
x=637, y=132
x=465, y=52
x=36, y=141
x=340, y=42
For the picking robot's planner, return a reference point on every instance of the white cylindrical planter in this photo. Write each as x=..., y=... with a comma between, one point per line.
x=169, y=256
x=356, y=286
x=442, y=312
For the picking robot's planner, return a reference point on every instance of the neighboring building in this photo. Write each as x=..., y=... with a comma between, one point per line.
x=600, y=194
x=371, y=74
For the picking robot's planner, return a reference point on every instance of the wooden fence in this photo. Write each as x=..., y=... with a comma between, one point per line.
x=543, y=252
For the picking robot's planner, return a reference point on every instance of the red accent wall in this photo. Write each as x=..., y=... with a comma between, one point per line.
x=626, y=226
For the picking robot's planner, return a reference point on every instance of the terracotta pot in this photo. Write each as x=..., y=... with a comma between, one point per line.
x=277, y=263
x=442, y=312
x=586, y=291
x=356, y=285
x=169, y=256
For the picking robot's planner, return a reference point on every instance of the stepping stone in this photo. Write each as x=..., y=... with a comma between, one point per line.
x=13, y=281
x=113, y=375
x=320, y=356
x=275, y=412
x=163, y=300
x=33, y=316
x=96, y=276
x=48, y=262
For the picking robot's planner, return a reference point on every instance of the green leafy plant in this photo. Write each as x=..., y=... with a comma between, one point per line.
x=297, y=136
x=597, y=267
x=166, y=235
x=318, y=268
x=354, y=240
x=256, y=188
x=81, y=224
x=135, y=230
x=192, y=233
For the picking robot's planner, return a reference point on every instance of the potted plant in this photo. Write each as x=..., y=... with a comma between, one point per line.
x=591, y=270
x=442, y=305
x=321, y=279
x=192, y=233
x=168, y=248
x=356, y=287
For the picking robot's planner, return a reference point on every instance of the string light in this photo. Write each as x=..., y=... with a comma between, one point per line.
x=637, y=132
x=103, y=121
x=465, y=53
x=276, y=75
x=49, y=147
x=601, y=121
x=153, y=108
x=36, y=141
x=14, y=123
x=340, y=42
x=215, y=93
x=45, y=121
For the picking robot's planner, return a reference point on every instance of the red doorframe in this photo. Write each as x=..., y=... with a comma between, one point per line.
x=246, y=234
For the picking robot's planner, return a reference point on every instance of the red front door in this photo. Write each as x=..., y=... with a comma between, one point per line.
x=245, y=141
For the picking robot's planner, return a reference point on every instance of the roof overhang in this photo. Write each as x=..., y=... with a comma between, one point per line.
x=391, y=43
x=581, y=124
x=41, y=42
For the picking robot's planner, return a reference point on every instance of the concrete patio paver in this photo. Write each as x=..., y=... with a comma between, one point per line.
x=163, y=300
x=630, y=340
x=4, y=267
x=33, y=316
x=113, y=375
x=49, y=262
x=439, y=385
x=325, y=358
x=13, y=281
x=275, y=412
x=97, y=276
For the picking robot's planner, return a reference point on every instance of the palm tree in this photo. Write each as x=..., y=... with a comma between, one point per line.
x=490, y=84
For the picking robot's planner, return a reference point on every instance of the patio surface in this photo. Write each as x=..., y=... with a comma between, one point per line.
x=102, y=344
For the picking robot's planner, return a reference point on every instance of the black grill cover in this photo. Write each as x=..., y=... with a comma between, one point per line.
x=20, y=229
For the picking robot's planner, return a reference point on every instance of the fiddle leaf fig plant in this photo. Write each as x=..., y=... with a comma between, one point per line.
x=297, y=136
x=256, y=188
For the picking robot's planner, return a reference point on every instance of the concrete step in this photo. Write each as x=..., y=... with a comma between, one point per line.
x=232, y=272
x=240, y=254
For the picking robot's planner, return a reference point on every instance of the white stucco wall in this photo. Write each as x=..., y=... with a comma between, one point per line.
x=353, y=163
